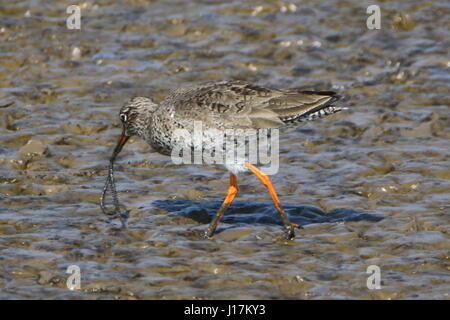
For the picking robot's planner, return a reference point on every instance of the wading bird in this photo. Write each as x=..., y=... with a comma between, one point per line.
x=219, y=106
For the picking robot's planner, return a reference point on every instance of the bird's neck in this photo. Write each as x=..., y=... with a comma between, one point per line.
x=143, y=123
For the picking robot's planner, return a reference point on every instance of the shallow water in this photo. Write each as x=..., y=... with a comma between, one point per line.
x=369, y=186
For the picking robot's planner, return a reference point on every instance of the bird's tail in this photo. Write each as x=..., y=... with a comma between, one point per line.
x=321, y=105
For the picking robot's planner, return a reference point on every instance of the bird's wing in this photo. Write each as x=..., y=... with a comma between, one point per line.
x=237, y=104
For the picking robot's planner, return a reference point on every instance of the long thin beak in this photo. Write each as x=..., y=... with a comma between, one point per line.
x=123, y=139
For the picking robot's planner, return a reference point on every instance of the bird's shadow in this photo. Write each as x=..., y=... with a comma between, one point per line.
x=260, y=212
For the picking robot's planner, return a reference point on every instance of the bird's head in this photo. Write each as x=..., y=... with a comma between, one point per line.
x=134, y=115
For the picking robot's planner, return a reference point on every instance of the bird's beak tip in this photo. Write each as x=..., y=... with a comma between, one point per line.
x=122, y=140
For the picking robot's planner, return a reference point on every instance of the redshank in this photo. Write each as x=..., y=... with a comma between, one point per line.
x=220, y=107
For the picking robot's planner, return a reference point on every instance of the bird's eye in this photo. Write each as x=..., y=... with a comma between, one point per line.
x=123, y=117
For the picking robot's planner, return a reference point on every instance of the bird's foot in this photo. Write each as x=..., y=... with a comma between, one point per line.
x=294, y=225
x=206, y=235
x=289, y=233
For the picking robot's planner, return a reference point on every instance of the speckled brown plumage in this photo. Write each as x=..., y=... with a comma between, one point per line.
x=220, y=107
x=223, y=105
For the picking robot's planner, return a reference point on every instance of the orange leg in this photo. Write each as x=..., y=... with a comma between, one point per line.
x=290, y=234
x=232, y=191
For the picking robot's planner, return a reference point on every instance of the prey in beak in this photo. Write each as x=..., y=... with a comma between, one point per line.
x=110, y=184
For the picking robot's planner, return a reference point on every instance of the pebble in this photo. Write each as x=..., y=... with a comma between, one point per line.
x=33, y=148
